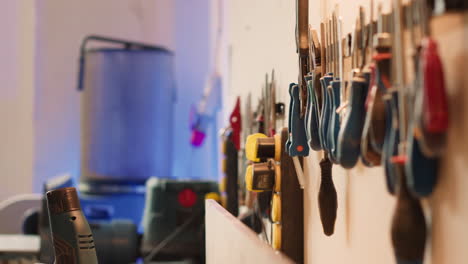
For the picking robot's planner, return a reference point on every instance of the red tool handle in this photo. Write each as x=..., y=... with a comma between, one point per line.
x=435, y=107
x=236, y=124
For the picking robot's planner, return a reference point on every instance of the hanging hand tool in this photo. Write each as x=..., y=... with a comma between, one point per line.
x=374, y=129
x=392, y=137
x=71, y=234
x=327, y=198
x=434, y=120
x=276, y=109
x=318, y=86
x=382, y=59
x=296, y=146
x=276, y=175
x=408, y=223
x=268, y=112
x=422, y=169
x=435, y=115
x=252, y=218
x=369, y=155
x=327, y=89
x=262, y=199
x=302, y=46
x=351, y=128
x=385, y=75
x=314, y=94
x=235, y=122
x=259, y=203
x=270, y=109
x=347, y=58
x=335, y=88
x=325, y=82
x=374, y=126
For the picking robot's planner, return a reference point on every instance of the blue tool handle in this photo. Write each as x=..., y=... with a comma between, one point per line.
x=421, y=171
x=334, y=124
x=326, y=102
x=328, y=120
x=364, y=133
x=288, y=141
x=367, y=76
x=322, y=114
x=318, y=105
x=308, y=112
x=312, y=121
x=298, y=143
x=349, y=138
x=392, y=137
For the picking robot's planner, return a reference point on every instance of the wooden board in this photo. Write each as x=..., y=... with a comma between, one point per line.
x=292, y=207
x=229, y=241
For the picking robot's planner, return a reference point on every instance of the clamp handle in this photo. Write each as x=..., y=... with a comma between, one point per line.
x=298, y=139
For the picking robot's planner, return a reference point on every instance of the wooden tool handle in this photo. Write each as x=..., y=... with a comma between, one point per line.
x=408, y=224
x=327, y=198
x=292, y=208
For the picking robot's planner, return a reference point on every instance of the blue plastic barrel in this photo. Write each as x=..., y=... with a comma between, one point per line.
x=127, y=97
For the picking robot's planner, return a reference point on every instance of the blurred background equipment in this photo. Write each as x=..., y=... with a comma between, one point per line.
x=127, y=95
x=174, y=219
x=71, y=234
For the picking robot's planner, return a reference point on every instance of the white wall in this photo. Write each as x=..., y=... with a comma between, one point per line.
x=262, y=38
x=16, y=97
x=194, y=42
